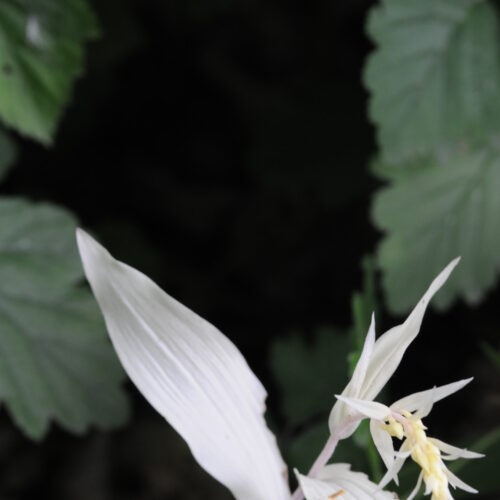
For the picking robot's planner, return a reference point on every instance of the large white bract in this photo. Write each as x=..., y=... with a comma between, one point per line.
x=191, y=374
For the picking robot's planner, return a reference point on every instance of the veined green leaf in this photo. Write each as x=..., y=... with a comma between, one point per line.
x=56, y=362
x=435, y=215
x=41, y=53
x=435, y=75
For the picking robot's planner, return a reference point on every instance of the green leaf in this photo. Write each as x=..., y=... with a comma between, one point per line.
x=433, y=216
x=41, y=54
x=491, y=354
x=301, y=451
x=8, y=154
x=435, y=76
x=56, y=362
x=309, y=375
x=481, y=473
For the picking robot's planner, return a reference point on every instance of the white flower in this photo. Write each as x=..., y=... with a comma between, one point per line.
x=403, y=420
x=191, y=374
x=337, y=481
x=380, y=359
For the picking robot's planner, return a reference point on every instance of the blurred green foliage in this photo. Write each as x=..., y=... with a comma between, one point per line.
x=310, y=375
x=8, y=153
x=482, y=473
x=435, y=76
x=491, y=354
x=434, y=80
x=434, y=214
x=41, y=54
x=56, y=362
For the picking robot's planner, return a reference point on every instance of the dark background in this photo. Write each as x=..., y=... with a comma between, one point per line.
x=222, y=148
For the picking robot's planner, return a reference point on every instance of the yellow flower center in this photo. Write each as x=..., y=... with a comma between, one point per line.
x=423, y=452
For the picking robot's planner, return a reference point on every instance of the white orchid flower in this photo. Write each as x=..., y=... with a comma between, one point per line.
x=380, y=359
x=191, y=374
x=403, y=420
x=338, y=481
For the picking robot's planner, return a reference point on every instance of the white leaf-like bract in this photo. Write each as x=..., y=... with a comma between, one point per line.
x=191, y=374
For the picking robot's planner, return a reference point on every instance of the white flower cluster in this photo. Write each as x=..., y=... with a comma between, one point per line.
x=200, y=383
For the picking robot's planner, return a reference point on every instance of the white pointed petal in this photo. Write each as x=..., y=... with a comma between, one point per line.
x=419, y=401
x=402, y=454
x=359, y=374
x=315, y=489
x=392, y=473
x=427, y=404
x=370, y=409
x=383, y=442
x=391, y=346
x=458, y=483
x=454, y=452
x=429, y=485
x=191, y=374
x=340, y=412
x=415, y=490
x=338, y=478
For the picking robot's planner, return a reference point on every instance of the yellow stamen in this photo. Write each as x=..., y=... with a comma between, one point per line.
x=394, y=428
x=423, y=452
x=335, y=495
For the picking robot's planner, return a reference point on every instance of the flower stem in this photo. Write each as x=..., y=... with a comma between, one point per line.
x=324, y=456
x=320, y=462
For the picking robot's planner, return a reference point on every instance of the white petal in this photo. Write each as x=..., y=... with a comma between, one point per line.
x=419, y=401
x=453, y=451
x=427, y=404
x=340, y=412
x=392, y=473
x=359, y=374
x=458, y=483
x=370, y=409
x=191, y=374
x=383, y=442
x=415, y=490
x=315, y=489
x=391, y=346
x=338, y=478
